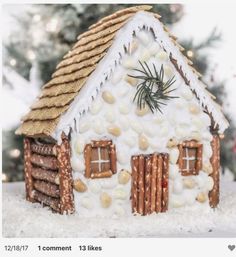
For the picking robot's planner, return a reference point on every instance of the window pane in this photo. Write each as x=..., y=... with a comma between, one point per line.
x=185, y=164
x=189, y=159
x=192, y=165
x=94, y=165
x=105, y=157
x=100, y=160
x=192, y=152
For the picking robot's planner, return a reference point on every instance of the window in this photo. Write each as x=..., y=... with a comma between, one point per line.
x=100, y=159
x=190, y=158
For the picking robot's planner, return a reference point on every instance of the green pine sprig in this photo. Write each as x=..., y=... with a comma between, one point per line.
x=152, y=90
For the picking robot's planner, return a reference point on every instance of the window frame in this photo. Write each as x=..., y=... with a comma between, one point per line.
x=198, y=165
x=88, y=159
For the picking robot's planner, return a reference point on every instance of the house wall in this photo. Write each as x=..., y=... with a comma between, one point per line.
x=182, y=119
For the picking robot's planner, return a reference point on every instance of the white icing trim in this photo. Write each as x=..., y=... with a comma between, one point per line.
x=107, y=65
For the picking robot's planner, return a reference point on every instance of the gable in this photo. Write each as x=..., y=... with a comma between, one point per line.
x=113, y=114
x=88, y=79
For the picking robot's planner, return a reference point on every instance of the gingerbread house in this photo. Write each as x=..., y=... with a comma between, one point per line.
x=125, y=126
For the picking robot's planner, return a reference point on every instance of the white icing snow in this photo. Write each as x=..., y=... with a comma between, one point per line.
x=24, y=219
x=115, y=53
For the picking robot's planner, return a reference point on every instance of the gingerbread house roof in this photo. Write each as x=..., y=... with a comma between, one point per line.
x=79, y=64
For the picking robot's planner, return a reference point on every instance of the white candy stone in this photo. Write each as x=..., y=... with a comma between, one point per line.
x=202, y=197
x=74, y=163
x=159, y=119
x=189, y=183
x=124, y=177
x=122, y=157
x=174, y=171
x=197, y=123
x=187, y=93
x=207, y=167
x=172, y=118
x=77, y=165
x=143, y=111
x=120, y=193
x=178, y=186
x=124, y=123
x=207, y=150
x=207, y=136
x=206, y=119
x=143, y=143
x=117, y=76
x=189, y=197
x=79, y=145
x=119, y=211
x=129, y=63
x=185, y=124
x=130, y=140
x=124, y=108
x=174, y=155
x=94, y=186
x=157, y=145
x=105, y=200
x=177, y=201
x=123, y=90
x=168, y=71
x=131, y=81
x=180, y=131
x=201, y=179
x=194, y=108
x=98, y=127
x=114, y=130
x=119, y=202
x=171, y=185
x=154, y=48
x=209, y=183
x=96, y=107
x=164, y=130
x=196, y=136
x=84, y=126
x=200, y=182
x=110, y=115
x=134, y=46
x=162, y=55
x=136, y=126
x=79, y=185
x=143, y=37
x=149, y=130
x=145, y=55
x=87, y=203
x=180, y=104
x=108, y=97
x=109, y=183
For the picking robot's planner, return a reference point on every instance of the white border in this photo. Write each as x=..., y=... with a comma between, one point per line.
x=167, y=247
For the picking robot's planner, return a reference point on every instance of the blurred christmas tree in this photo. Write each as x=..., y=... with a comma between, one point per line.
x=44, y=33
x=197, y=53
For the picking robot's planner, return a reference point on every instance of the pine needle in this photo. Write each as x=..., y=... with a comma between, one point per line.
x=152, y=90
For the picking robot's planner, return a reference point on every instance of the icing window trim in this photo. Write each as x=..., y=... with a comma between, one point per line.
x=184, y=158
x=88, y=156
